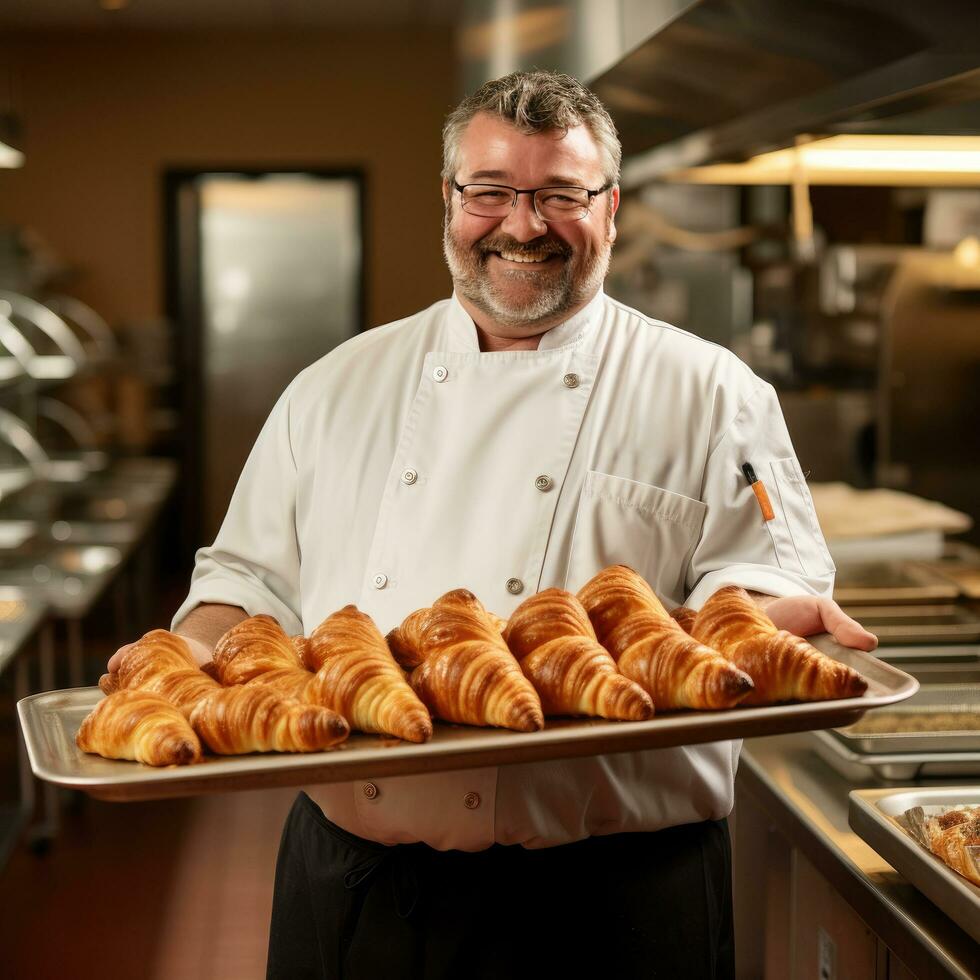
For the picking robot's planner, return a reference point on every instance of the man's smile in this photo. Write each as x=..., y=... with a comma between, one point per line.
x=527, y=259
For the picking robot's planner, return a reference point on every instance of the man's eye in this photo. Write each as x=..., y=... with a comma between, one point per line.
x=490, y=196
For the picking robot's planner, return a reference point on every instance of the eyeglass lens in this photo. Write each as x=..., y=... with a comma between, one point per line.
x=551, y=203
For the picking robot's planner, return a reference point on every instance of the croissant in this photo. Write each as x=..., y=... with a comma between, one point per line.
x=650, y=648
x=139, y=726
x=782, y=666
x=463, y=669
x=556, y=646
x=357, y=677
x=257, y=650
x=256, y=718
x=161, y=663
x=953, y=836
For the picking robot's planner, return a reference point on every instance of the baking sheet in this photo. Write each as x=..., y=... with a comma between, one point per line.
x=955, y=702
x=50, y=720
x=872, y=815
x=893, y=767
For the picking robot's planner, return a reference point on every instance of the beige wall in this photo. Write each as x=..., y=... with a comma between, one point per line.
x=106, y=113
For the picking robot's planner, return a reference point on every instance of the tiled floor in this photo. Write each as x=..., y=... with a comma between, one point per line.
x=173, y=890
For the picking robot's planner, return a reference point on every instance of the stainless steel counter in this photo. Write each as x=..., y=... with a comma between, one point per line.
x=807, y=803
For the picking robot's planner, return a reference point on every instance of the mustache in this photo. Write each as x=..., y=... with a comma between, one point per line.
x=503, y=243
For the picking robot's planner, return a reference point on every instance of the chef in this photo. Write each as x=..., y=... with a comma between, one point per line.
x=522, y=434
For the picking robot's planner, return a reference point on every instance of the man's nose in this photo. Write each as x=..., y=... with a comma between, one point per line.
x=523, y=222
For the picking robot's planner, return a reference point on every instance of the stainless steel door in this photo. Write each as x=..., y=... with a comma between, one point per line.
x=280, y=286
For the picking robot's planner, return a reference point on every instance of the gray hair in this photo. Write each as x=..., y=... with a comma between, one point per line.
x=535, y=102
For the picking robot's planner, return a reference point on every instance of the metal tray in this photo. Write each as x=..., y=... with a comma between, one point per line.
x=892, y=767
x=872, y=815
x=956, y=656
x=50, y=720
x=918, y=624
x=930, y=699
x=889, y=583
x=964, y=574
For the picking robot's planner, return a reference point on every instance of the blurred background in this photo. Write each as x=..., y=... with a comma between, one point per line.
x=200, y=199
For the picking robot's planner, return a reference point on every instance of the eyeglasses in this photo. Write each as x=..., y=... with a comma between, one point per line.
x=550, y=203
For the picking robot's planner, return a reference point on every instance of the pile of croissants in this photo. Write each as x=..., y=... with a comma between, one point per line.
x=953, y=836
x=612, y=651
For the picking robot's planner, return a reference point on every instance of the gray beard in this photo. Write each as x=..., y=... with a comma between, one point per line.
x=467, y=266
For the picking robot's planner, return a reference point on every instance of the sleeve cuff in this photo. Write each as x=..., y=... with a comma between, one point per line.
x=235, y=592
x=759, y=578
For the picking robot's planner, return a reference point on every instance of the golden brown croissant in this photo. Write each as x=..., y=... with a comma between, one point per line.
x=257, y=650
x=357, y=676
x=556, y=646
x=161, y=663
x=256, y=718
x=465, y=673
x=953, y=836
x=650, y=648
x=782, y=666
x=139, y=726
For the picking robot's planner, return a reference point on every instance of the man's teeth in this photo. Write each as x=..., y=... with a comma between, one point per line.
x=525, y=256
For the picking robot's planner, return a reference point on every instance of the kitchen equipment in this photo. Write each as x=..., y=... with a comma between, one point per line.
x=937, y=718
x=875, y=815
x=892, y=766
x=890, y=583
x=917, y=625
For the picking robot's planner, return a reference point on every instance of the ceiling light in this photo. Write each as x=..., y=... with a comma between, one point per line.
x=9, y=157
x=898, y=161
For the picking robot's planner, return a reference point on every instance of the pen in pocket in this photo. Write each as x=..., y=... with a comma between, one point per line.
x=759, y=490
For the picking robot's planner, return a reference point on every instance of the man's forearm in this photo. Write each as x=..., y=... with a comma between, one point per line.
x=208, y=622
x=761, y=599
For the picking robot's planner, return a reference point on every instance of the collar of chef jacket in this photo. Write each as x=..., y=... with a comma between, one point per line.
x=464, y=338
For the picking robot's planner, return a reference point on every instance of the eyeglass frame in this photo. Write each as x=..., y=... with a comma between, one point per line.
x=532, y=191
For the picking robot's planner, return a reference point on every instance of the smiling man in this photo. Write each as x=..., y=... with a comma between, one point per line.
x=524, y=260
x=523, y=434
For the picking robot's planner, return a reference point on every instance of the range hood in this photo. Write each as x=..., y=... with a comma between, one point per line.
x=691, y=82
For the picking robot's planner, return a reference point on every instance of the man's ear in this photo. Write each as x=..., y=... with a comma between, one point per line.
x=446, y=191
x=613, y=208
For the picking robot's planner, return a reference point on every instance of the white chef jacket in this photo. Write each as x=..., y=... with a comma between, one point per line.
x=407, y=462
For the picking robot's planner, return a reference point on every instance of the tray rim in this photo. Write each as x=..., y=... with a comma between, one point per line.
x=473, y=747
x=908, y=857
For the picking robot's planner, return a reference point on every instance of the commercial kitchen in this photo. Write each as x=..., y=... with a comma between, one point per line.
x=197, y=201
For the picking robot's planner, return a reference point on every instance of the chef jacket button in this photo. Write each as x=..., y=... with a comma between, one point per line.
x=544, y=483
x=515, y=586
x=471, y=801
x=440, y=373
x=570, y=381
x=380, y=581
x=370, y=790
x=409, y=477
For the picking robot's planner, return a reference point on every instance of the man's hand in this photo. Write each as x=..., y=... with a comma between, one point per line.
x=202, y=627
x=805, y=615
x=201, y=651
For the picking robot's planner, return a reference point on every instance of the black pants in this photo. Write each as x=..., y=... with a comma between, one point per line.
x=622, y=906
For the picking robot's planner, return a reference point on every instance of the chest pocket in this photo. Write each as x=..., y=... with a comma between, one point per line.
x=652, y=530
x=796, y=537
